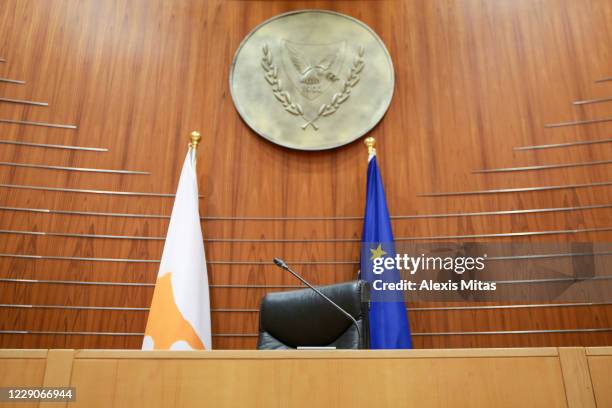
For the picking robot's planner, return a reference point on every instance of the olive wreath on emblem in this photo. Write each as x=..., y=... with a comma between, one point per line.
x=271, y=76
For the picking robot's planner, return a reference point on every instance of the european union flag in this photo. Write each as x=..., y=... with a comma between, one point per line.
x=389, y=328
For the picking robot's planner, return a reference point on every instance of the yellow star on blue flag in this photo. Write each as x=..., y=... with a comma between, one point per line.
x=377, y=252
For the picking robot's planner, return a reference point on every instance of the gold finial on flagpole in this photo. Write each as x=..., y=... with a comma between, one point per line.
x=195, y=139
x=370, y=142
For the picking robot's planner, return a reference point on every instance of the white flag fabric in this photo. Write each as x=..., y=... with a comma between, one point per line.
x=179, y=318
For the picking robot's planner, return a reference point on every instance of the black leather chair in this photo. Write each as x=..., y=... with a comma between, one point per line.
x=288, y=320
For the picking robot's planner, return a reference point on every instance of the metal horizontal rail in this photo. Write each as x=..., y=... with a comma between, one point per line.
x=12, y=81
x=566, y=144
x=140, y=284
x=542, y=167
x=309, y=240
x=129, y=260
x=547, y=256
x=87, y=213
x=77, y=235
x=478, y=307
x=76, y=190
x=53, y=146
x=507, y=234
x=76, y=282
x=516, y=190
x=485, y=333
x=251, y=310
x=340, y=218
x=497, y=307
x=23, y=102
x=430, y=334
x=77, y=258
x=589, y=101
x=70, y=235
x=253, y=286
x=301, y=262
x=70, y=168
x=578, y=122
x=32, y=123
x=71, y=333
x=551, y=280
x=68, y=307
x=603, y=79
x=106, y=308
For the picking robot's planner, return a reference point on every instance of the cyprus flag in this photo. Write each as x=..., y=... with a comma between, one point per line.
x=179, y=318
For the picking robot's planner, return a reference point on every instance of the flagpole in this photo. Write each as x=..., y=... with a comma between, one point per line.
x=193, y=145
x=370, y=142
x=195, y=139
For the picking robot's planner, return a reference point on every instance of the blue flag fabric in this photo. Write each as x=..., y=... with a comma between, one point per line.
x=389, y=328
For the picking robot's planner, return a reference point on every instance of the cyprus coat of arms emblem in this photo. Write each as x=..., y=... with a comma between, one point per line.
x=326, y=79
x=311, y=79
x=312, y=67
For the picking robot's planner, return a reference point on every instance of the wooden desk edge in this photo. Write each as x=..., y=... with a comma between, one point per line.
x=598, y=351
x=23, y=353
x=294, y=354
x=304, y=354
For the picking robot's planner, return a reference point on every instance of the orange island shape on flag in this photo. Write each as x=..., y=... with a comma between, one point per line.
x=167, y=325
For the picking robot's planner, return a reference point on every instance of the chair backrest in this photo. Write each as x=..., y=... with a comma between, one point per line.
x=302, y=318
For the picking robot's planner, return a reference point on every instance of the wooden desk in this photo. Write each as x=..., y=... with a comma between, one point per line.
x=530, y=377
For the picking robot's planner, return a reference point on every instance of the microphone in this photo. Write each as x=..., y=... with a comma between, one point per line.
x=281, y=264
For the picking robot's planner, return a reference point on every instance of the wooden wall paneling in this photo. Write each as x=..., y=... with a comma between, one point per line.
x=474, y=80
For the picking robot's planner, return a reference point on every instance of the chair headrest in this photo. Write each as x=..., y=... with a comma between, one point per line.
x=303, y=318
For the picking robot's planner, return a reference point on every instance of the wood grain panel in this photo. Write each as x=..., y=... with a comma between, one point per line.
x=231, y=379
x=22, y=370
x=474, y=80
x=600, y=367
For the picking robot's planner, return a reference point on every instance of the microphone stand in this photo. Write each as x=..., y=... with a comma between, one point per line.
x=281, y=264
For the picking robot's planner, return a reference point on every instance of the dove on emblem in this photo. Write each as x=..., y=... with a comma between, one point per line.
x=310, y=73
